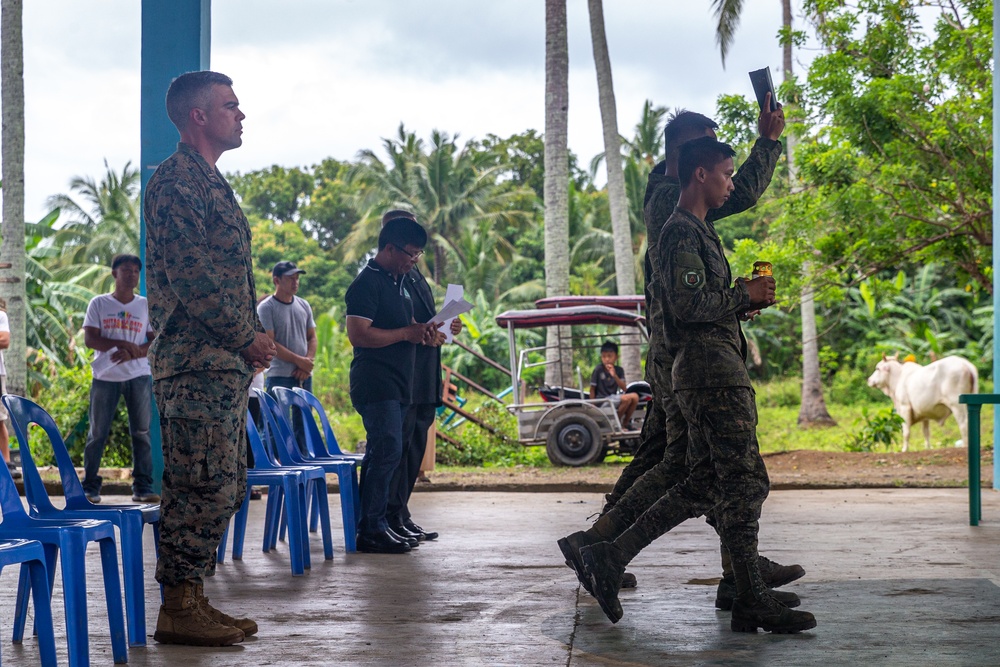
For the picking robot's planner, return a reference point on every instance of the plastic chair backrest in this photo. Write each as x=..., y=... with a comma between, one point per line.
x=332, y=446
x=24, y=412
x=290, y=401
x=280, y=431
x=263, y=459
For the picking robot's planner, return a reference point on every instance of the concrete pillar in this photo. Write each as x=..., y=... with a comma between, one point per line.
x=176, y=38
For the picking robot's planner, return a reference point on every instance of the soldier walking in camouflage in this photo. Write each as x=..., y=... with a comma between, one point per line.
x=712, y=389
x=663, y=452
x=201, y=301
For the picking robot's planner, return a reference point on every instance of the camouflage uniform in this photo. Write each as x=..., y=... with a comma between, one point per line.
x=664, y=436
x=712, y=389
x=201, y=301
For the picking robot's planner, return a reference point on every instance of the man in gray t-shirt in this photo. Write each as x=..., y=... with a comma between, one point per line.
x=288, y=320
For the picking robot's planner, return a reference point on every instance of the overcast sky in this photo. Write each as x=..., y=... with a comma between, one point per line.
x=327, y=78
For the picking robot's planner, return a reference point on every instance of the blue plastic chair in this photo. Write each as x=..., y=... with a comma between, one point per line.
x=293, y=484
x=289, y=454
x=70, y=537
x=130, y=519
x=30, y=554
x=323, y=445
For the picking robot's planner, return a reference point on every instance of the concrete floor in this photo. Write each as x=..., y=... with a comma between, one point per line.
x=894, y=577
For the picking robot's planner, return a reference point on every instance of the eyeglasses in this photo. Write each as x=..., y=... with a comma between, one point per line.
x=412, y=255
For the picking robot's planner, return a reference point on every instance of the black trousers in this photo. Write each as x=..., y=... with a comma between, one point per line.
x=417, y=422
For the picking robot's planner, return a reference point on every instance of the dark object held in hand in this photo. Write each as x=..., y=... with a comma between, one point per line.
x=762, y=85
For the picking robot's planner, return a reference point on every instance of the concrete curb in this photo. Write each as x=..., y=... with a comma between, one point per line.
x=124, y=489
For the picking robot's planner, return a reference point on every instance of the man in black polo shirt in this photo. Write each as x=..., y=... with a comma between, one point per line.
x=381, y=328
x=425, y=399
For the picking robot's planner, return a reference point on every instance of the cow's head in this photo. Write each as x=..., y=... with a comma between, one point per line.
x=881, y=378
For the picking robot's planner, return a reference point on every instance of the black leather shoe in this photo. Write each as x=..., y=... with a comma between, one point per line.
x=381, y=543
x=403, y=531
x=409, y=541
x=414, y=528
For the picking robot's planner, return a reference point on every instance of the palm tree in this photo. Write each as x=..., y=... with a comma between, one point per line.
x=12, y=247
x=560, y=367
x=452, y=192
x=56, y=302
x=647, y=145
x=812, y=411
x=620, y=228
x=105, y=224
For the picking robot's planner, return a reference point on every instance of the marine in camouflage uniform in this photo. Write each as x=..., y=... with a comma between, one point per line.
x=201, y=295
x=663, y=452
x=664, y=437
x=712, y=390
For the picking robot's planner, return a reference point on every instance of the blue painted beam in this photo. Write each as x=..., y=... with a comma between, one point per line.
x=176, y=38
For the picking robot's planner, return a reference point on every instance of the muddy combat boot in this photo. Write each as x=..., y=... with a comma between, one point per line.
x=183, y=621
x=570, y=547
x=727, y=586
x=755, y=608
x=604, y=564
x=775, y=575
x=726, y=593
x=245, y=624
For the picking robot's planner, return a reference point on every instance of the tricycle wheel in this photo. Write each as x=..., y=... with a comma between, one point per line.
x=574, y=440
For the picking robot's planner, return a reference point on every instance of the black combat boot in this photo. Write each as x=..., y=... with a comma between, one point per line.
x=604, y=564
x=754, y=607
x=726, y=594
x=570, y=547
x=727, y=586
x=776, y=575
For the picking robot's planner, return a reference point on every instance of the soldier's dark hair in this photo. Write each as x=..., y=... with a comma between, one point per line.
x=123, y=258
x=609, y=346
x=704, y=152
x=190, y=91
x=402, y=232
x=397, y=213
x=684, y=126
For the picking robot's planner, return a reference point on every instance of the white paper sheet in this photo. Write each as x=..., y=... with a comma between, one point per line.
x=454, y=293
x=454, y=305
x=103, y=363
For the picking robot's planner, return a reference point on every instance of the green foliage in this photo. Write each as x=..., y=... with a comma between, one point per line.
x=332, y=365
x=67, y=399
x=898, y=167
x=479, y=447
x=878, y=432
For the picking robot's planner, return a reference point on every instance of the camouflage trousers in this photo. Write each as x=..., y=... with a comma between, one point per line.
x=664, y=440
x=724, y=473
x=203, y=426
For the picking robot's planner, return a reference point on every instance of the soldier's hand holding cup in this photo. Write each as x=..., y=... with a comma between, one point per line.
x=761, y=291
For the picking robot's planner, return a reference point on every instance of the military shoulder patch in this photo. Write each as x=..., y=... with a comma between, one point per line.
x=692, y=278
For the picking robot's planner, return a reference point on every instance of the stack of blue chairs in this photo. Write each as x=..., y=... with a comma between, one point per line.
x=67, y=537
x=130, y=519
x=345, y=467
x=323, y=445
x=293, y=483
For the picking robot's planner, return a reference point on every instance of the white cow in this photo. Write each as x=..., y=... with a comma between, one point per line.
x=921, y=393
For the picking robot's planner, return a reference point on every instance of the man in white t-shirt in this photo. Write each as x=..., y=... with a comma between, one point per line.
x=4, y=433
x=117, y=327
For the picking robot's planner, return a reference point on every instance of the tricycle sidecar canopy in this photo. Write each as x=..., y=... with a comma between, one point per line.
x=629, y=302
x=552, y=317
